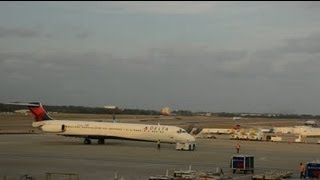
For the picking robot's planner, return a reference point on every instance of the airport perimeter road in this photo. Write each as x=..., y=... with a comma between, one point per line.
x=41, y=153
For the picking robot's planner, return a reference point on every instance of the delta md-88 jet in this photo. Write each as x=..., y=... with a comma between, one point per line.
x=100, y=131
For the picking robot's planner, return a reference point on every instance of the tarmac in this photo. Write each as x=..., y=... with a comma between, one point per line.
x=36, y=154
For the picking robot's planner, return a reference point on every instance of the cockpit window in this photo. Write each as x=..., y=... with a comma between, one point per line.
x=181, y=131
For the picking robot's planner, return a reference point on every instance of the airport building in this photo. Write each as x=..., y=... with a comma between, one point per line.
x=22, y=111
x=165, y=111
x=301, y=130
x=111, y=107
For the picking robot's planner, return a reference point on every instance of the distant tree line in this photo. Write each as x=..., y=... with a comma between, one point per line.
x=281, y=116
x=83, y=110
x=183, y=113
x=8, y=108
x=100, y=110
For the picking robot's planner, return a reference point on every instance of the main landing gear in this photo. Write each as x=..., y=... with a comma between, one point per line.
x=88, y=141
x=100, y=141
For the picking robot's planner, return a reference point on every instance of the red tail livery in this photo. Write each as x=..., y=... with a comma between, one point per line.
x=37, y=110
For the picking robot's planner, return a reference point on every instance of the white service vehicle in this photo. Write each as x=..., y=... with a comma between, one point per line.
x=276, y=139
x=186, y=146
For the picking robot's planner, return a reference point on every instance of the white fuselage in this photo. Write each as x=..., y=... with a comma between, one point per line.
x=142, y=132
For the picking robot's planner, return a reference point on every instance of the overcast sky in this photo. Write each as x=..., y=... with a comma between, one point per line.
x=198, y=56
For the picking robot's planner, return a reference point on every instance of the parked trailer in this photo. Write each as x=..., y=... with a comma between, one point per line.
x=254, y=137
x=186, y=146
x=243, y=163
x=276, y=139
x=250, y=135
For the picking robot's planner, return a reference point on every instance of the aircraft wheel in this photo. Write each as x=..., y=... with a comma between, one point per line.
x=87, y=141
x=100, y=141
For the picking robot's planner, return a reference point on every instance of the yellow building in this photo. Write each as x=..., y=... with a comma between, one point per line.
x=165, y=111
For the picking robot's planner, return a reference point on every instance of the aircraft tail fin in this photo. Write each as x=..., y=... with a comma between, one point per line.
x=36, y=109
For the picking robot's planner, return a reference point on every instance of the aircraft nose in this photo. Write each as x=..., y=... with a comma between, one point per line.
x=191, y=139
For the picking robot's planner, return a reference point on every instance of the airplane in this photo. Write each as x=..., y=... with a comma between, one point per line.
x=310, y=123
x=107, y=130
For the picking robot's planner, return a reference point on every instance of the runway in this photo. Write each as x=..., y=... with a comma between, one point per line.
x=40, y=153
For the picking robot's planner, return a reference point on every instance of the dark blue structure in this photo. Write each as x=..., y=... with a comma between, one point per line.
x=312, y=170
x=242, y=163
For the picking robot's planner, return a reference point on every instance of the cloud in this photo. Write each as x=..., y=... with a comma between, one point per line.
x=308, y=45
x=193, y=58
x=8, y=57
x=23, y=32
x=82, y=35
x=296, y=57
x=152, y=7
x=297, y=51
x=18, y=32
x=190, y=58
x=174, y=74
x=174, y=7
x=309, y=4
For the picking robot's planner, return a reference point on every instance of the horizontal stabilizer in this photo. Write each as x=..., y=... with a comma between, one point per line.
x=38, y=112
x=31, y=104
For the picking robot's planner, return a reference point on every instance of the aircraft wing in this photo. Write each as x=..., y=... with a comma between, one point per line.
x=100, y=137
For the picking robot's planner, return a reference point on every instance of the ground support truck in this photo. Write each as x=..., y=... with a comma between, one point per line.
x=185, y=146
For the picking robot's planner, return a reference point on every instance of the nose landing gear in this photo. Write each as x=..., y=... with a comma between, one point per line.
x=87, y=141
